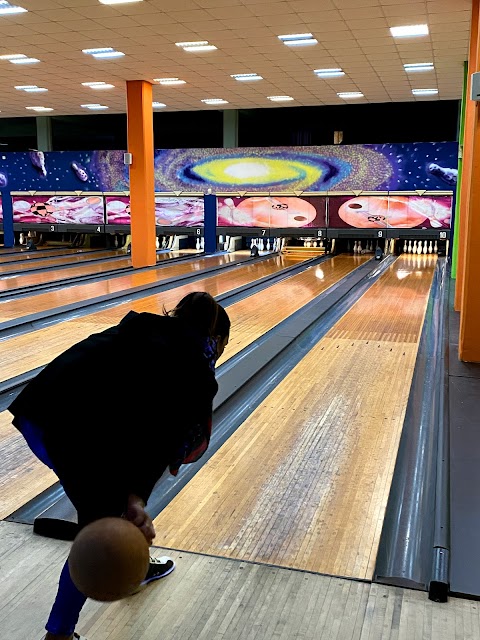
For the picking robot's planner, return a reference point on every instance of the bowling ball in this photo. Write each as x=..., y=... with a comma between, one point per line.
x=109, y=559
x=278, y=212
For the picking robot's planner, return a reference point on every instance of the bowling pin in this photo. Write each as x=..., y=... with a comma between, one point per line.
x=261, y=244
x=198, y=243
x=409, y=246
x=202, y=242
x=425, y=247
x=157, y=243
x=430, y=247
x=268, y=244
x=419, y=247
x=414, y=249
x=227, y=243
x=405, y=246
x=321, y=244
x=435, y=247
x=252, y=242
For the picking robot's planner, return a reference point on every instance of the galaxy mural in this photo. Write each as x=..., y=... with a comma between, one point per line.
x=169, y=212
x=46, y=209
x=271, y=212
x=392, y=211
x=393, y=167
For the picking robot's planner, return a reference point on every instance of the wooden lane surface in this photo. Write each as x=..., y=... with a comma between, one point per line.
x=26, y=305
x=54, y=253
x=304, y=482
x=257, y=314
x=22, y=475
x=25, y=352
x=9, y=267
x=49, y=276
x=307, y=285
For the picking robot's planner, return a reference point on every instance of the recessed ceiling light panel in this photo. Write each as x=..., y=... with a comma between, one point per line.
x=329, y=73
x=7, y=9
x=347, y=95
x=39, y=109
x=419, y=66
x=280, y=98
x=215, y=101
x=410, y=31
x=196, y=46
x=169, y=81
x=94, y=107
x=425, y=92
x=246, y=77
x=158, y=105
x=24, y=60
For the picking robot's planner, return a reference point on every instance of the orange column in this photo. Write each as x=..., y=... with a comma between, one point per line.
x=473, y=65
x=469, y=338
x=142, y=174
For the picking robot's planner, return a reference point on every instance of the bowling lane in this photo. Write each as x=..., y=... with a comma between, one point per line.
x=304, y=482
x=36, y=348
x=7, y=268
x=22, y=476
x=250, y=324
x=51, y=253
x=26, y=305
x=49, y=276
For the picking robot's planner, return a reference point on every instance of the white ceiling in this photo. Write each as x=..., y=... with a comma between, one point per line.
x=351, y=34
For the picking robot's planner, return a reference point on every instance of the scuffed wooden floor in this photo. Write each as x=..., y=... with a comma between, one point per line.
x=209, y=598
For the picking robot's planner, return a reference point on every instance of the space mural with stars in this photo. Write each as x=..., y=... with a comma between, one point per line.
x=399, y=167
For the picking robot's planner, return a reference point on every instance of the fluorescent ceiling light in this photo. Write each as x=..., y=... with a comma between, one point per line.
x=98, y=85
x=199, y=43
x=108, y=54
x=301, y=43
x=202, y=47
x=169, y=81
x=13, y=56
x=158, y=105
x=296, y=36
x=280, y=98
x=39, y=108
x=31, y=88
x=25, y=61
x=419, y=66
x=350, y=94
x=329, y=73
x=94, y=107
x=410, y=30
x=118, y=1
x=98, y=50
x=10, y=9
x=425, y=92
x=215, y=101
x=246, y=77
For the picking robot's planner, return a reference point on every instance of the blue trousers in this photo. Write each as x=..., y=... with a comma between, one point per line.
x=69, y=601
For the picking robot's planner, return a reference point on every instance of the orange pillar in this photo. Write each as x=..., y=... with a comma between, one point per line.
x=473, y=65
x=142, y=174
x=469, y=338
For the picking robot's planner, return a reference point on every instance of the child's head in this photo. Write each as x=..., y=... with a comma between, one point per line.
x=201, y=311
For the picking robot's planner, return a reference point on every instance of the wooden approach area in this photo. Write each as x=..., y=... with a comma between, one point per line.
x=209, y=598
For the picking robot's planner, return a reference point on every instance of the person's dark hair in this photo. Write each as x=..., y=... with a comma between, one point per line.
x=198, y=309
x=222, y=326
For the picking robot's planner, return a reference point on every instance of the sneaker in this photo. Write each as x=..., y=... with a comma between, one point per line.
x=159, y=568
